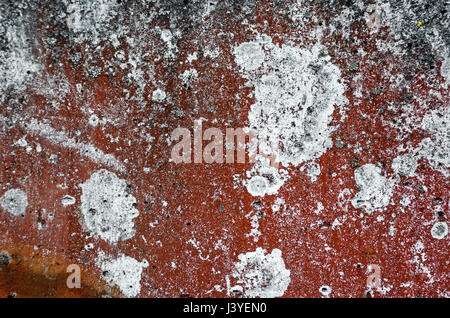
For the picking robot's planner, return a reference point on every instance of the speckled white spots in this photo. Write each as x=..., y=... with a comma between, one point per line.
x=276, y=206
x=189, y=76
x=254, y=222
x=124, y=272
x=158, y=95
x=375, y=190
x=294, y=99
x=67, y=200
x=435, y=148
x=107, y=207
x=405, y=165
x=439, y=230
x=14, y=201
x=260, y=275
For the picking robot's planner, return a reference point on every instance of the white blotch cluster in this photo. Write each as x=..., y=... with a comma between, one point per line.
x=435, y=148
x=262, y=275
x=168, y=38
x=439, y=230
x=14, y=201
x=295, y=91
x=107, y=207
x=124, y=272
x=375, y=190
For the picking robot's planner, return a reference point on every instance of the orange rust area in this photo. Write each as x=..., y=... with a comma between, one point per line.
x=30, y=272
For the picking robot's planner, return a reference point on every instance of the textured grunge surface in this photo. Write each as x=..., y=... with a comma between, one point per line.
x=356, y=92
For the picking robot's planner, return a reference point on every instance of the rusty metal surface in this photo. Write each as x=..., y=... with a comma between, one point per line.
x=91, y=92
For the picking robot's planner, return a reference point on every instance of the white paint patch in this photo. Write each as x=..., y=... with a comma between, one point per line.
x=124, y=272
x=439, y=230
x=189, y=76
x=108, y=207
x=14, y=201
x=295, y=98
x=375, y=190
x=295, y=93
x=260, y=275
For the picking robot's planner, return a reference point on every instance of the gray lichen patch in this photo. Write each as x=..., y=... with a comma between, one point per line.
x=295, y=93
x=17, y=62
x=405, y=165
x=375, y=190
x=14, y=201
x=294, y=99
x=439, y=230
x=262, y=275
x=124, y=272
x=436, y=148
x=107, y=206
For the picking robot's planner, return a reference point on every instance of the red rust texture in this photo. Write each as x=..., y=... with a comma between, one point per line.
x=203, y=203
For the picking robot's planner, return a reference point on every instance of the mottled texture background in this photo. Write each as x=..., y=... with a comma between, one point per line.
x=357, y=93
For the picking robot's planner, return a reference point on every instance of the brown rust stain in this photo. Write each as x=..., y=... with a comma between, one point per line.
x=29, y=272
